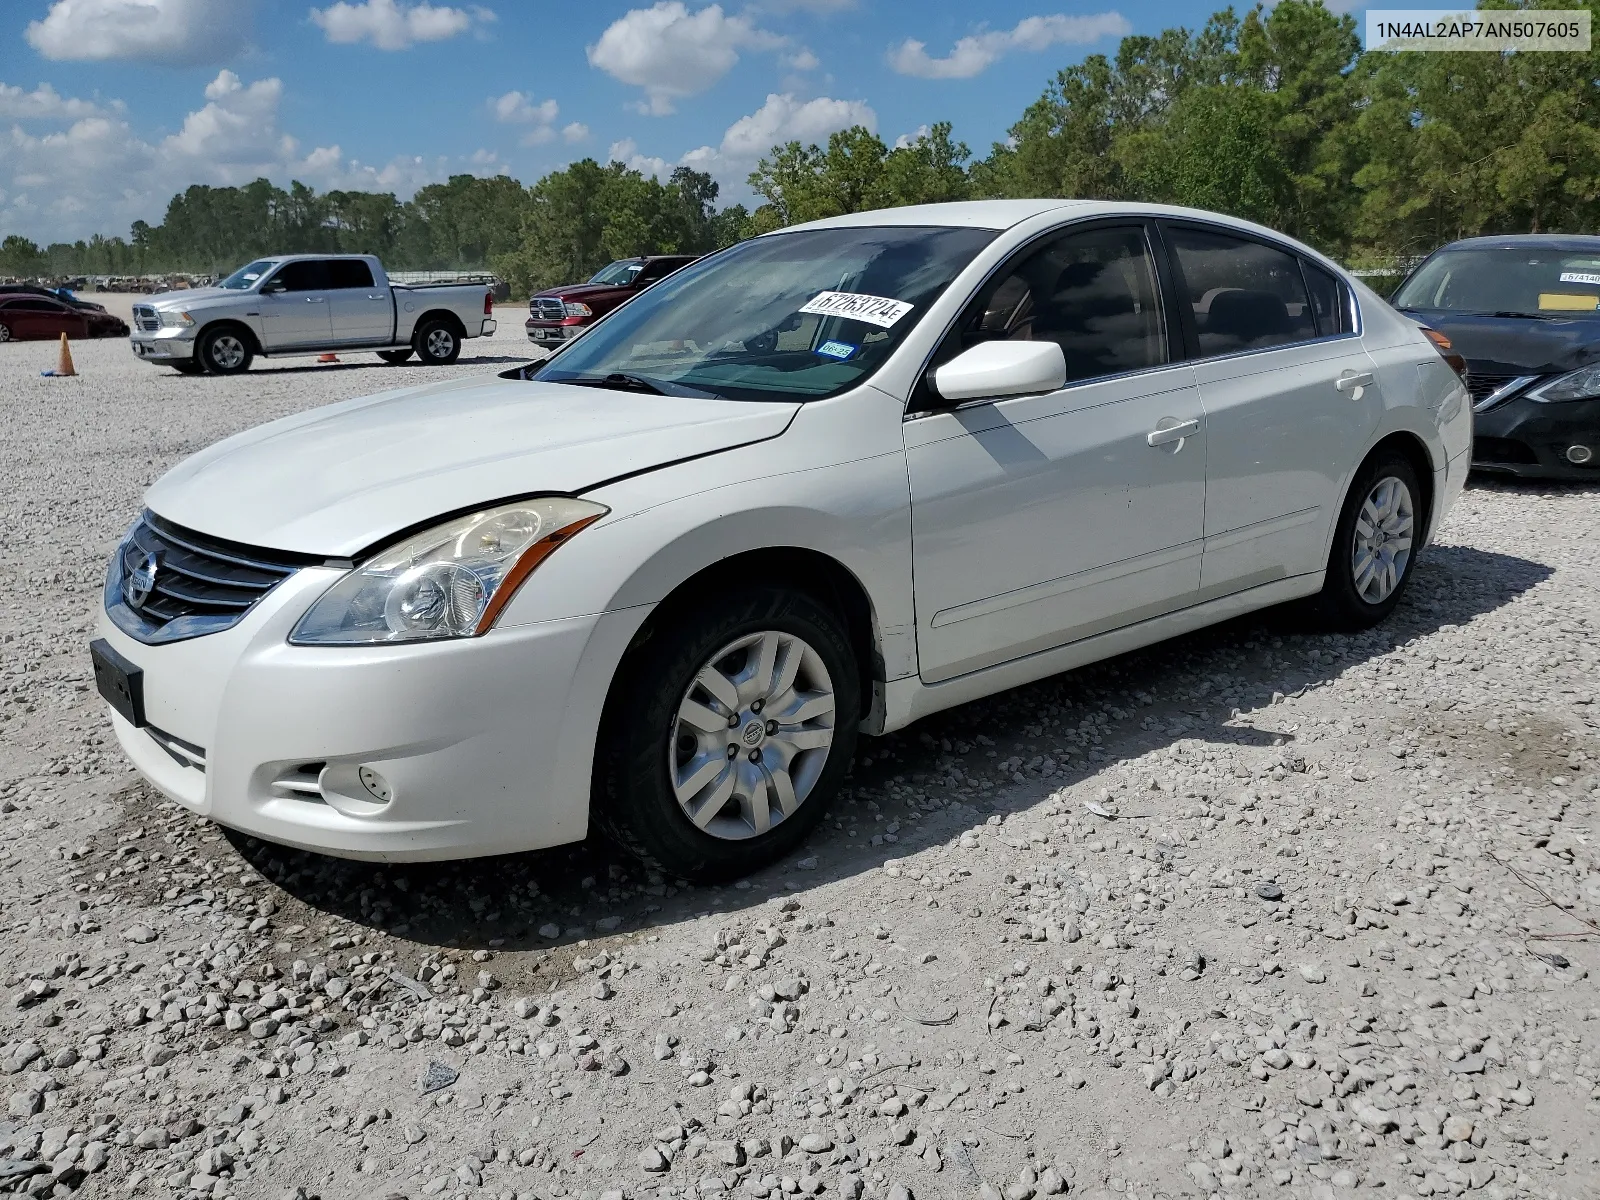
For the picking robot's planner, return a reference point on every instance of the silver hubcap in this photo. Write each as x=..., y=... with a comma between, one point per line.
x=440, y=343
x=752, y=735
x=5, y=334
x=227, y=351
x=1382, y=540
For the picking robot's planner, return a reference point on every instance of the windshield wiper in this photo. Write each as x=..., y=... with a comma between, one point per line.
x=616, y=382
x=1527, y=315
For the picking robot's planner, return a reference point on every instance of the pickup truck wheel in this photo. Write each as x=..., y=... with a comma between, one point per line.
x=395, y=357
x=225, y=351
x=727, y=733
x=437, y=344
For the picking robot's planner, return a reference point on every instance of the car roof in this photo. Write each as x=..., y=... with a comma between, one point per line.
x=1586, y=243
x=1003, y=214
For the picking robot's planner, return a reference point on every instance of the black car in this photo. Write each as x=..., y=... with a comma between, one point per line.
x=1524, y=311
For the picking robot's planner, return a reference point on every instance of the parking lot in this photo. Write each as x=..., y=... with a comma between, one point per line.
x=1255, y=912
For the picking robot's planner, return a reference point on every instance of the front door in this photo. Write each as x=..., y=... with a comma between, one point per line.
x=1040, y=520
x=1291, y=401
x=362, y=312
x=297, y=315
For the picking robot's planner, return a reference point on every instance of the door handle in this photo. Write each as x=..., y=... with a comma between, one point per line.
x=1353, y=381
x=316, y=299
x=1172, y=433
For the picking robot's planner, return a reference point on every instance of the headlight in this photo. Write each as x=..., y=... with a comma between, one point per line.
x=575, y=309
x=449, y=582
x=1582, y=384
x=176, y=320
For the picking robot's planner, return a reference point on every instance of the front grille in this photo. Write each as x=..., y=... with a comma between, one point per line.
x=146, y=318
x=1491, y=391
x=1502, y=450
x=543, y=308
x=199, y=584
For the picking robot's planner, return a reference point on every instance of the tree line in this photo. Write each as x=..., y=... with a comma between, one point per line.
x=1277, y=116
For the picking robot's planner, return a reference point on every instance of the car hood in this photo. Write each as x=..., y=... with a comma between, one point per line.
x=584, y=291
x=1517, y=345
x=190, y=296
x=336, y=481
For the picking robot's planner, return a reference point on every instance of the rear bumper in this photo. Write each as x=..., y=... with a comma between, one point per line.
x=489, y=326
x=1531, y=440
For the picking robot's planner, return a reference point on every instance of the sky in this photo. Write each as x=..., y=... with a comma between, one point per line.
x=109, y=107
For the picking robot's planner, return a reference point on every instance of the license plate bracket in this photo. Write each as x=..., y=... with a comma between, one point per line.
x=119, y=681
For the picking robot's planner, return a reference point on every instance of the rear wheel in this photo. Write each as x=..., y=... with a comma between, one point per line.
x=437, y=343
x=727, y=733
x=1375, y=544
x=225, y=351
x=395, y=357
x=5, y=333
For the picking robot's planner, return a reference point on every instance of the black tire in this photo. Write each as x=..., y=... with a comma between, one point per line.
x=395, y=357
x=187, y=366
x=437, y=343
x=1343, y=603
x=640, y=735
x=225, y=350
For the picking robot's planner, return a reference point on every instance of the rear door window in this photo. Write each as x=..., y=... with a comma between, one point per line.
x=1244, y=295
x=349, y=273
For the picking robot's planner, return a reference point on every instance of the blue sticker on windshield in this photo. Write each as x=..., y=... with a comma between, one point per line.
x=838, y=350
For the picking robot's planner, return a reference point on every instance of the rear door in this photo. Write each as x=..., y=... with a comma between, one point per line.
x=1040, y=520
x=297, y=315
x=361, y=311
x=1291, y=402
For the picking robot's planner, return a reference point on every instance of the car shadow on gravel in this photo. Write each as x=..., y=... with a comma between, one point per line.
x=1217, y=685
x=487, y=360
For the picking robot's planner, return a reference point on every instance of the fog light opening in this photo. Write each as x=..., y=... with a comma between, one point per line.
x=1580, y=455
x=377, y=786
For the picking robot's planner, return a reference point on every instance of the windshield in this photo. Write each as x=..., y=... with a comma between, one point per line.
x=242, y=279
x=1535, y=281
x=617, y=274
x=789, y=316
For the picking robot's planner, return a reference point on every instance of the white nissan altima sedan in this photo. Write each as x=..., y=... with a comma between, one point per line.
x=830, y=480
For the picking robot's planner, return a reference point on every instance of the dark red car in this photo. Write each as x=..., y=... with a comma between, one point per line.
x=559, y=314
x=25, y=316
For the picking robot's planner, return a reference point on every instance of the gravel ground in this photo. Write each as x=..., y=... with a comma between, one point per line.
x=1255, y=913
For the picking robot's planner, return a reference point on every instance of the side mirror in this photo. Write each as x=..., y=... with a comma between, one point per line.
x=273, y=286
x=995, y=370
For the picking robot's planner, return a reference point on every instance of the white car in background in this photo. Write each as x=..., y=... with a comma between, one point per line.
x=832, y=479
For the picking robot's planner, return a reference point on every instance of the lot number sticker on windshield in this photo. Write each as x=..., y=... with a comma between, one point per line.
x=874, y=310
x=1588, y=277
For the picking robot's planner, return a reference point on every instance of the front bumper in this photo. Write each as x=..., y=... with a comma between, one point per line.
x=551, y=333
x=478, y=746
x=1528, y=439
x=163, y=347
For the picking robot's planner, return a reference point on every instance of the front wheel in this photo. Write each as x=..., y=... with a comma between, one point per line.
x=727, y=733
x=437, y=344
x=395, y=357
x=224, y=351
x=1375, y=544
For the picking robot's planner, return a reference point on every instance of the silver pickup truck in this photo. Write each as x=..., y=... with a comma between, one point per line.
x=308, y=304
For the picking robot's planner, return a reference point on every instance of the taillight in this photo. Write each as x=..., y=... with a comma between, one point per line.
x=488, y=304
x=1446, y=351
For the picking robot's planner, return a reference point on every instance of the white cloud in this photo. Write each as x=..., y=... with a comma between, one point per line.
x=389, y=26
x=44, y=103
x=99, y=175
x=518, y=108
x=906, y=140
x=575, y=132
x=975, y=54
x=173, y=32
x=800, y=60
x=672, y=53
x=785, y=119
x=626, y=152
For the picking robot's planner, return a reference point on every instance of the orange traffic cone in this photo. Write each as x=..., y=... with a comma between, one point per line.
x=64, y=360
x=327, y=358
